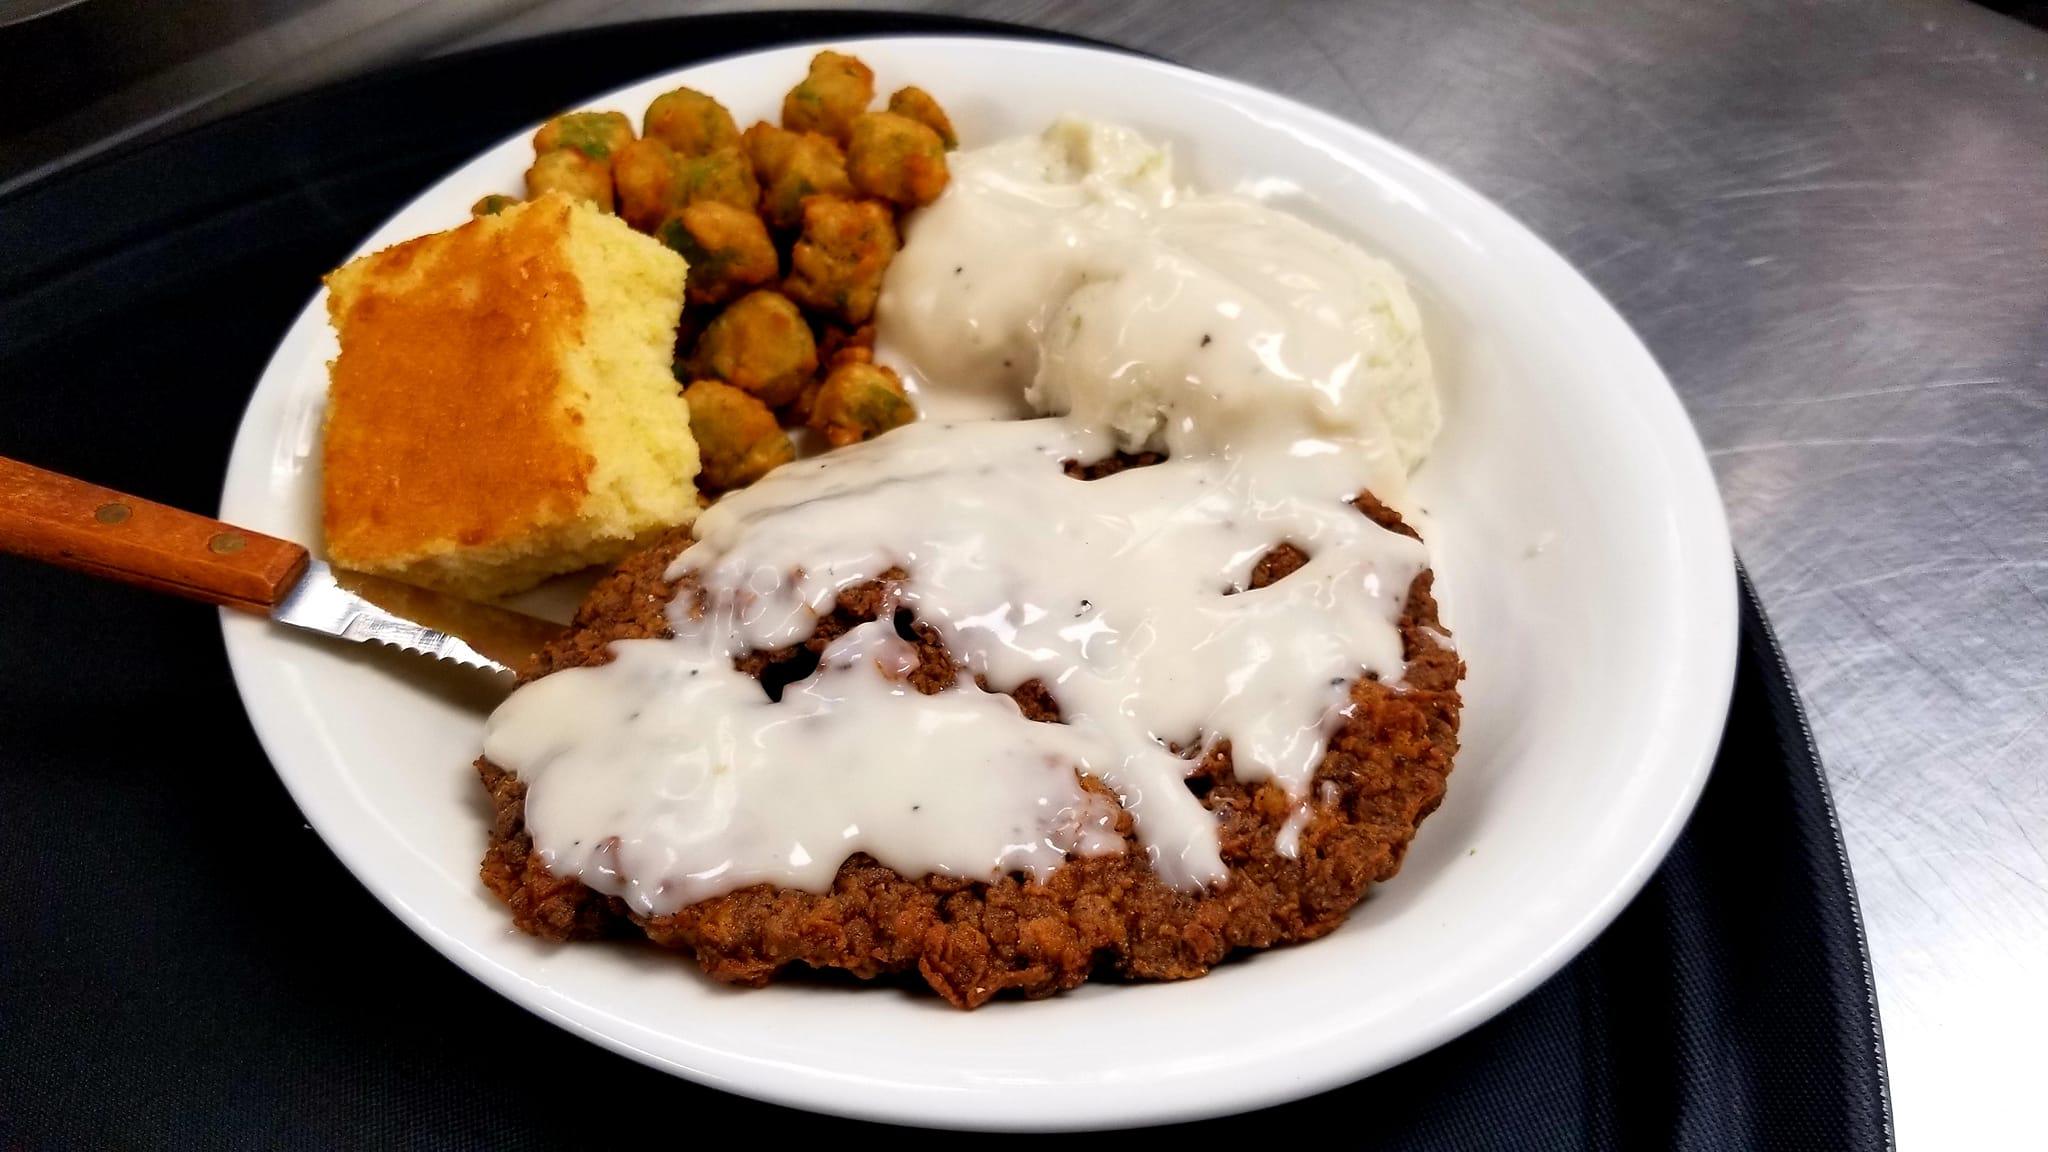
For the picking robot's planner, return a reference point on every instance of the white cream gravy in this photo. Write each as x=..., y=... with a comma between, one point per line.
x=667, y=777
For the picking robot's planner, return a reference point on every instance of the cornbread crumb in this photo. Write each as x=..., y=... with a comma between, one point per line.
x=503, y=408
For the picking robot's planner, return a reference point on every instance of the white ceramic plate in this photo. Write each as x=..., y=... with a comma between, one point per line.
x=1582, y=558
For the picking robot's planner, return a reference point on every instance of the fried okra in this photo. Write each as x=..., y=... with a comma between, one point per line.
x=690, y=122
x=654, y=180
x=649, y=183
x=570, y=171
x=791, y=166
x=837, y=265
x=838, y=341
x=762, y=345
x=695, y=318
x=858, y=401
x=917, y=104
x=838, y=88
x=595, y=134
x=897, y=159
x=722, y=176
x=492, y=205
x=738, y=440
x=727, y=247
x=836, y=346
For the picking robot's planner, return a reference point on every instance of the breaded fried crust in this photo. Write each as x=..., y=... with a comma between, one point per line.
x=1103, y=916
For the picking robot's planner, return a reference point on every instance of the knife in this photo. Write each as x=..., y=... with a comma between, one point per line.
x=82, y=526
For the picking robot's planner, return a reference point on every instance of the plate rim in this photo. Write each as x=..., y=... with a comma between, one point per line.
x=1653, y=396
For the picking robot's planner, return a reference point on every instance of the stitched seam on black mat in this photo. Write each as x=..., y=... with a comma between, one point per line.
x=1827, y=797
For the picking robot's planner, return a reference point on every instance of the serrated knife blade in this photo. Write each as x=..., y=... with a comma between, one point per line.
x=368, y=609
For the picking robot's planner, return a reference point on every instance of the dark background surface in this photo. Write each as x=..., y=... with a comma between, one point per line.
x=183, y=964
x=75, y=74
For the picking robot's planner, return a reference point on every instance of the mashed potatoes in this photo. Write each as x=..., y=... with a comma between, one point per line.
x=1067, y=274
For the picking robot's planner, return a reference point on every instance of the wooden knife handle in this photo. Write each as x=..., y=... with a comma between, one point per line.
x=70, y=523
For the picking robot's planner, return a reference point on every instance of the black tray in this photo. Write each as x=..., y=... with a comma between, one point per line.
x=184, y=964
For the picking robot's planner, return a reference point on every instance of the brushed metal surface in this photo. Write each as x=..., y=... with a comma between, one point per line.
x=1830, y=222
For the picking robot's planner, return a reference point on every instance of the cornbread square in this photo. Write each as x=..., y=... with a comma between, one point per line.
x=503, y=408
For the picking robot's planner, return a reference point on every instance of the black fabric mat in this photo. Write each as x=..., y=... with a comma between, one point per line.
x=184, y=965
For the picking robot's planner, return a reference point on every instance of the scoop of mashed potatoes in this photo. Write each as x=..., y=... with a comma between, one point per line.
x=1068, y=274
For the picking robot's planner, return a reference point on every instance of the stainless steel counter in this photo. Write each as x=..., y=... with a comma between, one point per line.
x=1830, y=222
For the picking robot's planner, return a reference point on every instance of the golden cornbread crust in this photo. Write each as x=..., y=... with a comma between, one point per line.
x=416, y=452
x=456, y=448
